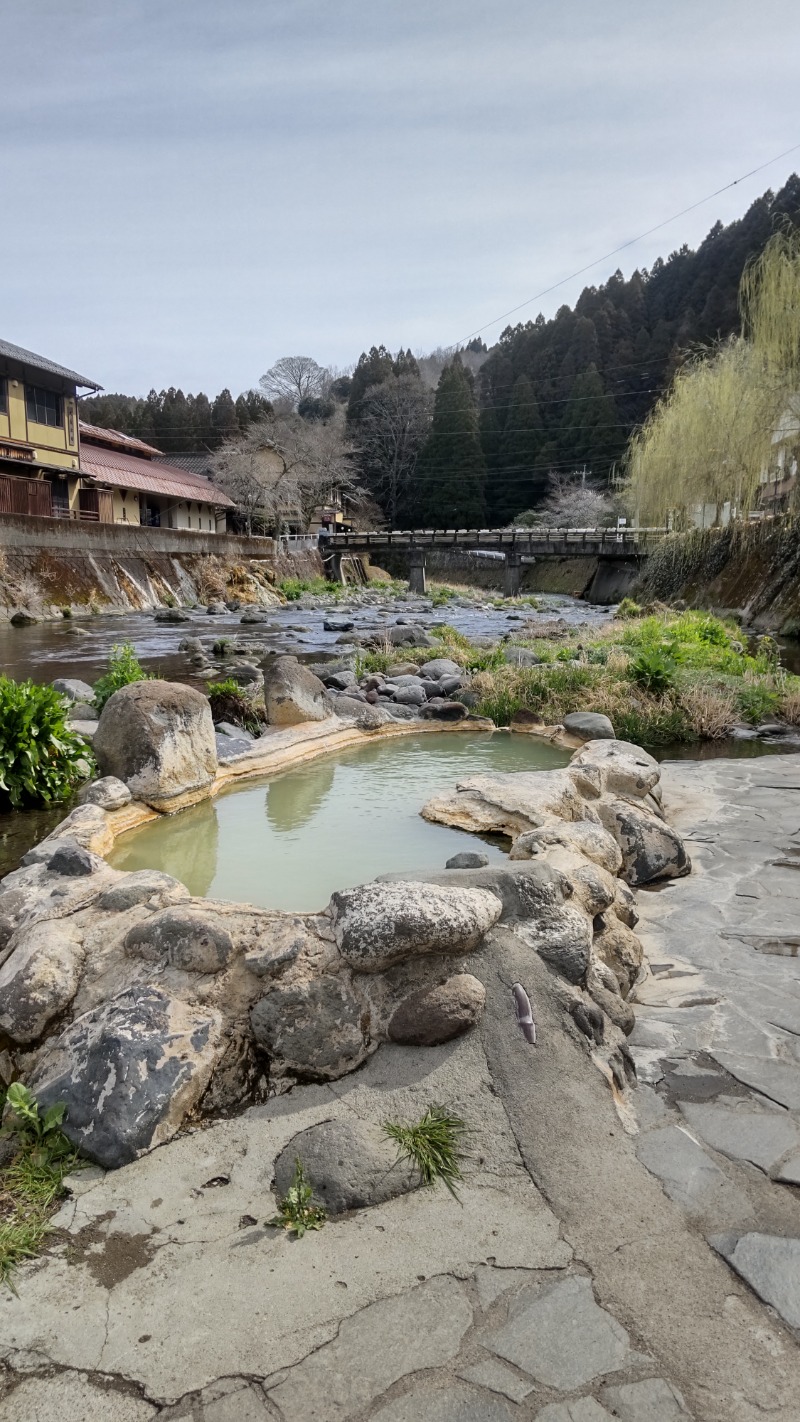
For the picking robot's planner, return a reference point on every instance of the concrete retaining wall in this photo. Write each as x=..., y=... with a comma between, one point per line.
x=19, y=533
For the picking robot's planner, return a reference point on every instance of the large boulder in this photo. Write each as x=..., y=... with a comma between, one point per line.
x=509, y=803
x=293, y=694
x=588, y=726
x=436, y=1014
x=192, y=939
x=158, y=737
x=350, y=1164
x=129, y=1072
x=317, y=1030
x=651, y=849
x=377, y=925
x=614, y=767
x=39, y=978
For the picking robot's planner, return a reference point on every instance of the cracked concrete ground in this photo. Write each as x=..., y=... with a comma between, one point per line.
x=575, y=1282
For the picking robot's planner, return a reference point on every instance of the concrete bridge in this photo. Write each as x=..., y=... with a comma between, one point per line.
x=618, y=551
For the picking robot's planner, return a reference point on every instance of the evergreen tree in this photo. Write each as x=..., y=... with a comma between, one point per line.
x=590, y=427
x=452, y=470
x=223, y=417
x=518, y=483
x=372, y=369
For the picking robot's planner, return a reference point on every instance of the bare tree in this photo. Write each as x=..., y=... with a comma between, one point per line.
x=295, y=378
x=284, y=468
x=394, y=425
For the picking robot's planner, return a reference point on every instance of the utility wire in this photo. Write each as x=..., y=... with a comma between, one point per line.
x=630, y=243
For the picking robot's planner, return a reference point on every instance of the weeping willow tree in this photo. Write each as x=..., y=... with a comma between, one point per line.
x=709, y=440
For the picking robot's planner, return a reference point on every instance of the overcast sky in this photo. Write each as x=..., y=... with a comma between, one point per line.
x=190, y=189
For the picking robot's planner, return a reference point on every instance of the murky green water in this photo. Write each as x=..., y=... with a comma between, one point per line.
x=289, y=841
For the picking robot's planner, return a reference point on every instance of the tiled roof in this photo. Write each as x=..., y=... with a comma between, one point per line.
x=151, y=476
x=37, y=362
x=120, y=441
x=195, y=463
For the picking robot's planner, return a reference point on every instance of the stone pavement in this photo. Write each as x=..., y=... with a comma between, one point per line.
x=574, y=1282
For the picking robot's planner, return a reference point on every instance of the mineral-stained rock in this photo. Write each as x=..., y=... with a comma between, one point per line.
x=158, y=737
x=109, y=793
x=615, y=767
x=509, y=803
x=563, y=938
x=650, y=848
x=380, y=924
x=73, y=861
x=467, y=859
x=317, y=1029
x=145, y=886
x=350, y=1164
x=129, y=1072
x=589, y=839
x=185, y=937
x=86, y=825
x=619, y=948
x=73, y=688
x=277, y=946
x=436, y=1014
x=293, y=694
x=39, y=978
x=589, y=726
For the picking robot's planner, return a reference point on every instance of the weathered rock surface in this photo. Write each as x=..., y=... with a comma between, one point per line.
x=614, y=767
x=158, y=737
x=189, y=938
x=619, y=948
x=509, y=803
x=109, y=793
x=589, y=726
x=651, y=849
x=351, y=1165
x=73, y=688
x=560, y=1336
x=439, y=1013
x=587, y=838
x=292, y=694
x=467, y=859
x=129, y=1072
x=771, y=1266
x=86, y=825
x=317, y=1029
x=377, y=925
x=39, y=978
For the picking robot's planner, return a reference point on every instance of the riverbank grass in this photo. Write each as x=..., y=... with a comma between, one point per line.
x=31, y=1185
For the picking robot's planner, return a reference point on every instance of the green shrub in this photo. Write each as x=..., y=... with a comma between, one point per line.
x=653, y=669
x=41, y=759
x=441, y=595
x=294, y=588
x=628, y=608
x=662, y=725
x=31, y=1184
x=123, y=669
x=373, y=661
x=229, y=702
x=757, y=702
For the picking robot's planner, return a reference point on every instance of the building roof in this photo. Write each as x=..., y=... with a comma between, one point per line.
x=150, y=476
x=37, y=362
x=128, y=443
x=195, y=463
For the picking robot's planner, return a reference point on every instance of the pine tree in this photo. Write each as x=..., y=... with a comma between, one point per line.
x=223, y=417
x=452, y=470
x=518, y=483
x=590, y=426
x=372, y=369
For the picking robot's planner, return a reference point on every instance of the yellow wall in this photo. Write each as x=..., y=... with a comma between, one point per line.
x=52, y=446
x=126, y=510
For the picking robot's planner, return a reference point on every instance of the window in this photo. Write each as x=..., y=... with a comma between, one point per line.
x=43, y=406
x=3, y=396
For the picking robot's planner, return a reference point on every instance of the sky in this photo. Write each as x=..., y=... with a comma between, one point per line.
x=191, y=189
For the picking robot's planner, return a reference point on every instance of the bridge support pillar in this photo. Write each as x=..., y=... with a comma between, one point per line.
x=513, y=573
x=416, y=571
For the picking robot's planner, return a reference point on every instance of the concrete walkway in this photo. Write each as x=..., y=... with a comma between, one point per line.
x=574, y=1282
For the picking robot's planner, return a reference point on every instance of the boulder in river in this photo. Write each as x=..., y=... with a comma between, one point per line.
x=73, y=688
x=158, y=737
x=293, y=694
x=589, y=726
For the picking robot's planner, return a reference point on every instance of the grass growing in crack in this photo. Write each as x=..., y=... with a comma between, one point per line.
x=296, y=1213
x=433, y=1144
x=31, y=1185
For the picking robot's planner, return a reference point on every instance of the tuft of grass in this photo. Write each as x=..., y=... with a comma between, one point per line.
x=32, y=1185
x=294, y=588
x=296, y=1213
x=41, y=759
x=433, y=1145
x=229, y=702
x=628, y=608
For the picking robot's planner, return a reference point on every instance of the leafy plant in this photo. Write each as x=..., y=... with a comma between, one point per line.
x=41, y=759
x=41, y=1136
x=756, y=702
x=296, y=1213
x=432, y=1145
x=653, y=669
x=123, y=669
x=230, y=703
x=32, y=1184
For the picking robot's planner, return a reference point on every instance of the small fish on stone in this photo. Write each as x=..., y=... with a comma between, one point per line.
x=524, y=1012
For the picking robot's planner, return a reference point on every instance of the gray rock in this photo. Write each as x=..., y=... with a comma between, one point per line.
x=229, y=728
x=216, y=609
x=73, y=688
x=589, y=726
x=83, y=711
x=497, y=1377
x=688, y=1175
x=231, y=748
x=171, y=614
x=439, y=667
x=777, y=1080
x=373, y=1349
x=618, y=947
x=770, y=1264
x=351, y=1165
x=762, y=1137
x=249, y=677
x=560, y=1336
x=437, y=1014
x=158, y=737
x=277, y=947
x=252, y=616
x=191, y=644
x=39, y=978
x=450, y=1404
x=449, y=684
x=582, y=1409
x=402, y=669
x=23, y=619
x=293, y=694
x=67, y=1397
x=653, y=1400
x=337, y=624
x=340, y=680
x=73, y=861
x=439, y=709
x=366, y=716
x=316, y=1030
x=651, y=849
x=467, y=859
x=129, y=1072
x=521, y=657
x=789, y=1173
x=397, y=712
x=187, y=938
x=409, y=695
x=145, y=886
x=109, y=793
x=377, y=925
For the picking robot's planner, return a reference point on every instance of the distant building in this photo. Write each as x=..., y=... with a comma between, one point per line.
x=39, y=435
x=779, y=481
x=133, y=483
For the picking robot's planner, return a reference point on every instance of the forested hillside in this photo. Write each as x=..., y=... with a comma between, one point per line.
x=176, y=423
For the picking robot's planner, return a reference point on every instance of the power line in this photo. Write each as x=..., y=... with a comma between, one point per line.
x=630, y=243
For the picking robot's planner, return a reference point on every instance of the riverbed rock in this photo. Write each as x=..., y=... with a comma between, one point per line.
x=216, y=609
x=589, y=726
x=437, y=1014
x=39, y=978
x=350, y=1165
x=109, y=793
x=86, y=824
x=73, y=688
x=614, y=767
x=129, y=1072
x=651, y=849
x=20, y=618
x=317, y=1030
x=158, y=737
x=377, y=925
x=190, y=938
x=171, y=614
x=467, y=859
x=340, y=680
x=440, y=709
x=619, y=948
x=71, y=860
x=292, y=694
x=439, y=667
x=583, y=836
x=508, y=803
x=409, y=695
x=337, y=624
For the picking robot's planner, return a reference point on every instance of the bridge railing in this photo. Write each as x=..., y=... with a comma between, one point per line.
x=494, y=537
